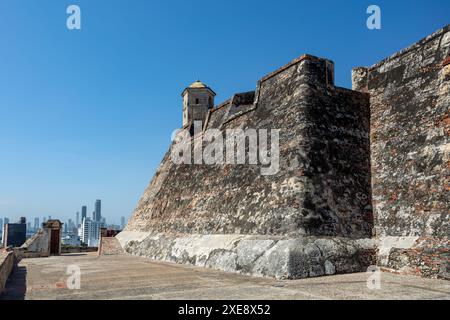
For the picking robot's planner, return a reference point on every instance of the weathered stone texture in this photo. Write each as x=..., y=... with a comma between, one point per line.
x=6, y=266
x=331, y=174
x=110, y=246
x=280, y=257
x=429, y=258
x=39, y=242
x=322, y=188
x=410, y=146
x=319, y=190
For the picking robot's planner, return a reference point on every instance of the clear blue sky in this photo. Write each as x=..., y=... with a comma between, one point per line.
x=88, y=114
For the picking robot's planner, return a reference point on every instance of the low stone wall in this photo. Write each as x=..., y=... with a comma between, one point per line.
x=23, y=253
x=6, y=267
x=78, y=249
x=279, y=257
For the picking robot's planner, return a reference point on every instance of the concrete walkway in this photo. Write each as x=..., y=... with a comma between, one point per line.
x=128, y=277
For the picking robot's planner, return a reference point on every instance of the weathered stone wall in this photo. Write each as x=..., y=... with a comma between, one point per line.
x=110, y=246
x=322, y=188
x=429, y=256
x=331, y=175
x=6, y=267
x=410, y=150
x=38, y=243
x=272, y=256
x=319, y=190
x=78, y=249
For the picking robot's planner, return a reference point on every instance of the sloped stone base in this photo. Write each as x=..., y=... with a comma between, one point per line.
x=279, y=257
x=422, y=256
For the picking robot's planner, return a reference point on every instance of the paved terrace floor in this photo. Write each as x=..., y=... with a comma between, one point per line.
x=129, y=277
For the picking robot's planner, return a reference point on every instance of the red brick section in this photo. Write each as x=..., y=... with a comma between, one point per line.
x=446, y=61
x=110, y=246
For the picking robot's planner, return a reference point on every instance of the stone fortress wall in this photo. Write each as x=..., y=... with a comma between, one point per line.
x=410, y=153
x=318, y=190
x=382, y=144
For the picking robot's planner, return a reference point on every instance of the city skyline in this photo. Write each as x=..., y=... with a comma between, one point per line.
x=75, y=232
x=65, y=216
x=98, y=204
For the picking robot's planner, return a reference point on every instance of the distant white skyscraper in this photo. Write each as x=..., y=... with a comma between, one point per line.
x=122, y=223
x=90, y=232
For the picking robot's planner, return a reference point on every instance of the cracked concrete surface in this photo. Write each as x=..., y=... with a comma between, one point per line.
x=131, y=277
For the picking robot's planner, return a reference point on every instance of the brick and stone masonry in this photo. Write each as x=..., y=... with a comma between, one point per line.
x=364, y=176
x=6, y=267
x=410, y=155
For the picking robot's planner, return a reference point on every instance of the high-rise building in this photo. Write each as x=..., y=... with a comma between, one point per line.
x=122, y=223
x=49, y=217
x=98, y=210
x=5, y=221
x=77, y=219
x=90, y=232
x=44, y=219
x=83, y=213
x=29, y=226
x=36, y=224
x=70, y=225
x=1, y=223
